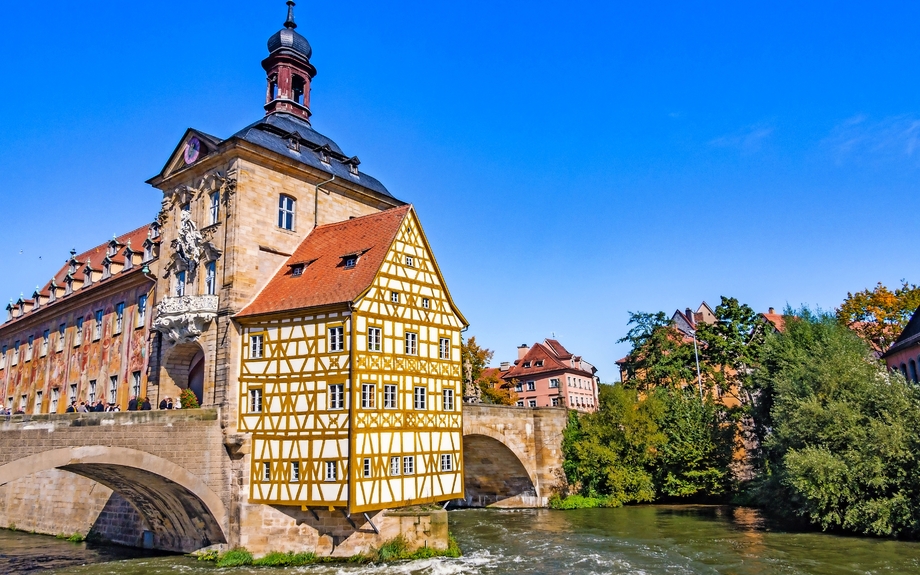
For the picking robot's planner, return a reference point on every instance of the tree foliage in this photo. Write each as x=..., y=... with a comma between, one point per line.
x=493, y=389
x=879, y=315
x=475, y=356
x=845, y=434
x=660, y=356
x=643, y=446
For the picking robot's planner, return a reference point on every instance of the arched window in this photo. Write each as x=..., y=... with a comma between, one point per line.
x=904, y=370
x=299, y=87
x=913, y=370
x=286, y=206
x=273, y=88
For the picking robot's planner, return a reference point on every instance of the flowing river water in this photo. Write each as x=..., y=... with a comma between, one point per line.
x=642, y=540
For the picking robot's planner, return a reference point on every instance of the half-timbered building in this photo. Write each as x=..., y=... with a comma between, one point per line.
x=351, y=373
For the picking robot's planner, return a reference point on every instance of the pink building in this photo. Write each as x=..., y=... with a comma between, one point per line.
x=904, y=353
x=547, y=375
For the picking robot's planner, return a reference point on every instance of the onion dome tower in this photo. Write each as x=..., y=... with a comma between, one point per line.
x=289, y=71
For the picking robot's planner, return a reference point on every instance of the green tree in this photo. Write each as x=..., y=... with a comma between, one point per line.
x=844, y=443
x=476, y=356
x=879, y=315
x=660, y=354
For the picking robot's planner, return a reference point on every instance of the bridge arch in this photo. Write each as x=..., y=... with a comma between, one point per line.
x=494, y=474
x=181, y=511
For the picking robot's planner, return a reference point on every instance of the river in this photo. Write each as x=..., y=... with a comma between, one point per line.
x=642, y=540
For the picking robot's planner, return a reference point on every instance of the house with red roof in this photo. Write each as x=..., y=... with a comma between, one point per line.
x=548, y=375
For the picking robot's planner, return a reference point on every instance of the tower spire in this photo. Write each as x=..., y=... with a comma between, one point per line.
x=290, y=24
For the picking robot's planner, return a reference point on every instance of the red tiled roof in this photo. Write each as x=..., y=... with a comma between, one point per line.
x=489, y=372
x=325, y=280
x=776, y=319
x=549, y=353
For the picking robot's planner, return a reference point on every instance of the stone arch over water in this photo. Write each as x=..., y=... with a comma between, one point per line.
x=494, y=475
x=181, y=511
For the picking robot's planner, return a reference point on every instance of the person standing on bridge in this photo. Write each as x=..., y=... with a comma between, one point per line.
x=132, y=404
x=145, y=405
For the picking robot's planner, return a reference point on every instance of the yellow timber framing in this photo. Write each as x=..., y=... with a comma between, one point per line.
x=296, y=423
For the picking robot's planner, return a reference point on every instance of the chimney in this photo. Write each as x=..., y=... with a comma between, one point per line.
x=772, y=311
x=689, y=313
x=504, y=366
x=522, y=350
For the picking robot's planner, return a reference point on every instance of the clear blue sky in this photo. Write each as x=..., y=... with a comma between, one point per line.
x=571, y=161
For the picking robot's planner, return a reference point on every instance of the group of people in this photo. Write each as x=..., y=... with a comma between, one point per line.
x=99, y=406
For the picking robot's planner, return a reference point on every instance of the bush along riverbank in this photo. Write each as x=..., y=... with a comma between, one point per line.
x=801, y=420
x=396, y=549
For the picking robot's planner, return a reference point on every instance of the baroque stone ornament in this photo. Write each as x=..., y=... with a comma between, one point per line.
x=183, y=319
x=190, y=243
x=471, y=391
x=224, y=183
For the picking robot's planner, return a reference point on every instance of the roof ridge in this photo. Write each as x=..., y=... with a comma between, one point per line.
x=356, y=218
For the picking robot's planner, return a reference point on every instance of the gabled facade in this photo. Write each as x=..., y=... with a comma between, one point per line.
x=904, y=353
x=548, y=375
x=350, y=381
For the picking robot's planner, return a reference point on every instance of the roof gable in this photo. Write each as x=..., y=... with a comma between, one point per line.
x=192, y=148
x=908, y=337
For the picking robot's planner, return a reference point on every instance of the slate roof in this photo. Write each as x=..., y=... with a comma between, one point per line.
x=325, y=280
x=274, y=131
x=909, y=337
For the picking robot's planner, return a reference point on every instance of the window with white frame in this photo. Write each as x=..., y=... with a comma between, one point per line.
x=531, y=386
x=215, y=207
x=448, y=399
x=55, y=400
x=295, y=471
x=394, y=296
x=255, y=400
x=286, y=205
x=337, y=338
x=38, y=402
x=410, y=261
x=367, y=467
x=389, y=396
x=532, y=403
x=92, y=391
x=136, y=384
x=421, y=396
x=332, y=471
x=408, y=465
x=46, y=337
x=411, y=343
x=520, y=404
x=113, y=389
x=141, y=310
x=426, y=303
x=553, y=383
x=518, y=386
x=180, y=284
x=337, y=396
x=368, y=396
x=29, y=347
x=444, y=348
x=374, y=339
x=394, y=466
x=266, y=471
x=72, y=395
x=256, y=346
x=447, y=462
x=210, y=278
x=119, y=317
x=555, y=402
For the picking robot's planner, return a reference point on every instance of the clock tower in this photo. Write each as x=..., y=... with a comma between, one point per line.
x=289, y=71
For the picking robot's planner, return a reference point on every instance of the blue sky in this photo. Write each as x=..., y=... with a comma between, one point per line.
x=570, y=161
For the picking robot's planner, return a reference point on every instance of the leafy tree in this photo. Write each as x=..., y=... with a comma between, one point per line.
x=660, y=355
x=476, y=356
x=879, y=315
x=494, y=389
x=730, y=348
x=844, y=441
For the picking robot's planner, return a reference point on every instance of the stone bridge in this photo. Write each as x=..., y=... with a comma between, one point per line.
x=175, y=480
x=512, y=455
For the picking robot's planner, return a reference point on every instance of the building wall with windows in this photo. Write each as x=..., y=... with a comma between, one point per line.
x=548, y=375
x=354, y=404
x=85, y=335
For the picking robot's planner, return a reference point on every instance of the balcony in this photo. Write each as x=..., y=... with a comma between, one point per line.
x=183, y=319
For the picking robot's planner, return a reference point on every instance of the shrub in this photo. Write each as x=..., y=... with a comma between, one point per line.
x=277, y=559
x=235, y=558
x=76, y=538
x=188, y=400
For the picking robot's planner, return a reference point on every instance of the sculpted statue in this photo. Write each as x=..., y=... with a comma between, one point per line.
x=471, y=391
x=189, y=244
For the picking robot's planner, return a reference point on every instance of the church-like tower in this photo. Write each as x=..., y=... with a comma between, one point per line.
x=289, y=71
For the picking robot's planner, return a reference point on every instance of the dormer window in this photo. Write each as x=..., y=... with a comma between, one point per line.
x=88, y=275
x=52, y=293
x=353, y=164
x=129, y=258
x=293, y=143
x=154, y=230
x=323, y=154
x=351, y=261
x=73, y=267
x=36, y=301
x=68, y=288
x=106, y=270
x=297, y=270
x=538, y=363
x=526, y=364
x=148, y=251
x=113, y=249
